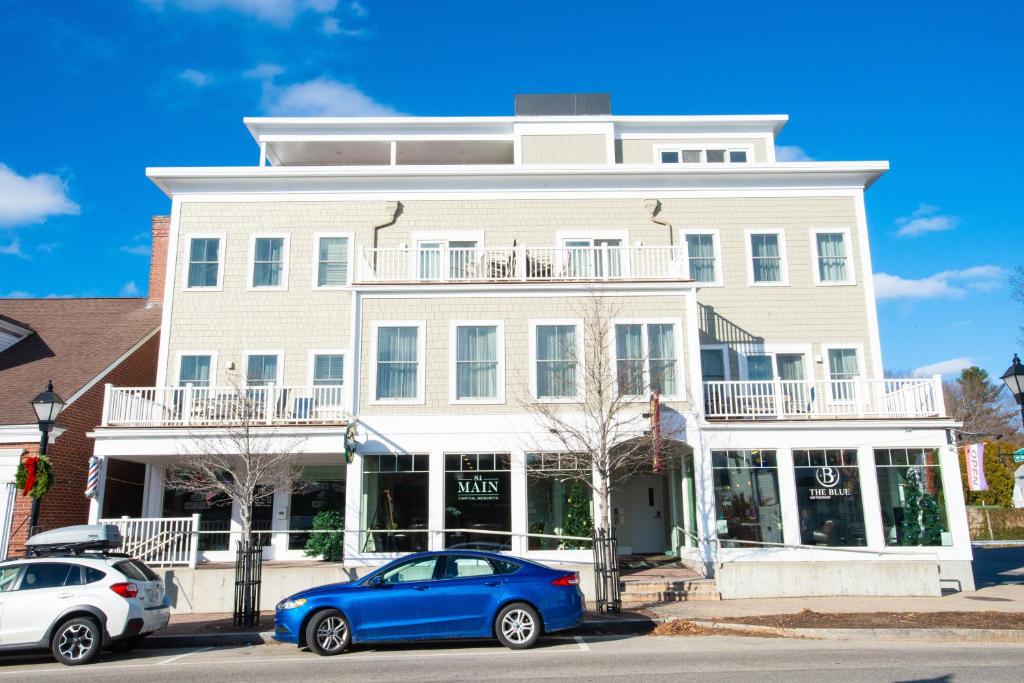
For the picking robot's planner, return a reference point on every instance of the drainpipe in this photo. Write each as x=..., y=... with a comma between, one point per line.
x=653, y=208
x=392, y=210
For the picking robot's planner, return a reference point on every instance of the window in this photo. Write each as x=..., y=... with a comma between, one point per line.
x=592, y=258
x=203, y=263
x=214, y=515
x=261, y=370
x=477, y=499
x=843, y=369
x=321, y=489
x=416, y=570
x=765, y=367
x=93, y=575
x=477, y=372
x=670, y=156
x=556, y=357
x=766, y=254
x=8, y=575
x=328, y=369
x=136, y=570
x=557, y=502
x=47, y=575
x=715, y=156
x=911, y=496
x=395, y=495
x=332, y=262
x=194, y=370
x=268, y=264
x=460, y=567
x=713, y=365
x=828, y=497
x=830, y=248
x=398, y=350
x=679, y=155
x=737, y=156
x=746, y=497
x=701, y=254
x=645, y=358
x=462, y=259
x=504, y=566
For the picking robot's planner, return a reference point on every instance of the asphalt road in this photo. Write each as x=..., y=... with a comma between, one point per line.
x=589, y=658
x=994, y=566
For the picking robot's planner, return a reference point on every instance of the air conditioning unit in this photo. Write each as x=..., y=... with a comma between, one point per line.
x=74, y=540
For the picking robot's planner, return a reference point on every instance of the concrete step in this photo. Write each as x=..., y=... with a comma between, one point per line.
x=648, y=592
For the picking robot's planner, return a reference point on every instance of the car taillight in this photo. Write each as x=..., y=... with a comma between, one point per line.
x=572, y=579
x=125, y=589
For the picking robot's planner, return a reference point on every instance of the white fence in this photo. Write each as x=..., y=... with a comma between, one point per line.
x=851, y=398
x=521, y=264
x=192, y=406
x=159, y=541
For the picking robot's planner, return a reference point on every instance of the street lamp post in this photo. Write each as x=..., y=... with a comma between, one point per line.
x=47, y=406
x=1013, y=378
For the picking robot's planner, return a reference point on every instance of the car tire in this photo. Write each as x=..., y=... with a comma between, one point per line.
x=328, y=633
x=517, y=626
x=76, y=641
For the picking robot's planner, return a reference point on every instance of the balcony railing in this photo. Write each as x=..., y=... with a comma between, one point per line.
x=813, y=399
x=192, y=406
x=521, y=264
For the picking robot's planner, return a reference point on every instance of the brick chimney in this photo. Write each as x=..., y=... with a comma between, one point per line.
x=158, y=261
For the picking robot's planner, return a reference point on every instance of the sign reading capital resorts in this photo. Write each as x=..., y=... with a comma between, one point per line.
x=480, y=487
x=829, y=478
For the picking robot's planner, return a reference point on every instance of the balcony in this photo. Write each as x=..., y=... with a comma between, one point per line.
x=521, y=264
x=825, y=399
x=271, y=406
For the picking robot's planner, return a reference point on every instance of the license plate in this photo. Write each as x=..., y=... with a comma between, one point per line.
x=153, y=595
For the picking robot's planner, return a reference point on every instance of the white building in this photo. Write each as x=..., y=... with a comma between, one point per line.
x=427, y=276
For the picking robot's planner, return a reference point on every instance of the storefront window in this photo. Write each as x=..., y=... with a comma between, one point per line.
x=395, y=502
x=477, y=500
x=829, y=498
x=214, y=515
x=558, y=503
x=910, y=491
x=747, y=497
x=321, y=489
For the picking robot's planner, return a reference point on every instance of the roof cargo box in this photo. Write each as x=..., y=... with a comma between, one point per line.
x=74, y=539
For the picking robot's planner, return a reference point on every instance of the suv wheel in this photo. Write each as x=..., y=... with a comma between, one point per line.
x=328, y=633
x=76, y=641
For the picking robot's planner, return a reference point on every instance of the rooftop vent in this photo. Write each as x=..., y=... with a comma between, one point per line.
x=564, y=104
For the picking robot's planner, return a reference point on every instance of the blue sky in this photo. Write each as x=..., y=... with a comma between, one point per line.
x=95, y=91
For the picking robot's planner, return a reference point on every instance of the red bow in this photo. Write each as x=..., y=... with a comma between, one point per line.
x=31, y=467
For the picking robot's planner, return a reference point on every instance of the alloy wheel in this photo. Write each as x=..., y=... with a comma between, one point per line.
x=75, y=642
x=330, y=634
x=517, y=626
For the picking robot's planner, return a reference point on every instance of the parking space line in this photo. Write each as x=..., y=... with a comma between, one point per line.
x=582, y=643
x=183, y=654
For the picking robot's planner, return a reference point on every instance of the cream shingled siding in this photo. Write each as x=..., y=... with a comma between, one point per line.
x=564, y=149
x=516, y=312
x=299, y=319
x=641, y=151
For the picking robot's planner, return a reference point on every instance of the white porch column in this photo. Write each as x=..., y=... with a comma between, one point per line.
x=279, y=522
x=956, y=508
x=353, y=508
x=873, y=527
x=520, y=524
x=787, y=496
x=153, y=492
x=704, y=487
x=96, y=503
x=435, y=499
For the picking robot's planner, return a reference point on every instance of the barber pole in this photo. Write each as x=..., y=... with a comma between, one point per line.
x=92, y=483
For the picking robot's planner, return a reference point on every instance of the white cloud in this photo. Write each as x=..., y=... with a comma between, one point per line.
x=264, y=72
x=331, y=26
x=196, y=78
x=357, y=9
x=949, y=284
x=18, y=294
x=280, y=12
x=926, y=218
x=321, y=97
x=12, y=249
x=791, y=153
x=32, y=199
x=137, y=249
x=946, y=368
x=129, y=289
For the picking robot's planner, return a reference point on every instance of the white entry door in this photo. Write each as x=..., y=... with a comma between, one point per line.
x=647, y=514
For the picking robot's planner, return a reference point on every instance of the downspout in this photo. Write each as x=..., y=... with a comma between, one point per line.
x=653, y=208
x=392, y=210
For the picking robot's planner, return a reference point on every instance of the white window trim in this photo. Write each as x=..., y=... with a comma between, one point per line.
x=851, y=278
x=285, y=254
x=244, y=370
x=773, y=350
x=447, y=236
x=221, y=248
x=421, y=361
x=317, y=236
x=703, y=149
x=453, y=375
x=783, y=258
x=724, y=350
x=311, y=363
x=561, y=236
x=177, y=365
x=716, y=241
x=677, y=335
x=857, y=347
x=581, y=389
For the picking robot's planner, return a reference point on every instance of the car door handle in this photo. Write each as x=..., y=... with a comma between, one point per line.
x=492, y=583
x=65, y=595
x=421, y=588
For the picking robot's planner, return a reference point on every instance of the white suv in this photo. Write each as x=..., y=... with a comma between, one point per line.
x=75, y=604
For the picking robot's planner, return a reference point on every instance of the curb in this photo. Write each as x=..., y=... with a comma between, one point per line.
x=931, y=635
x=207, y=640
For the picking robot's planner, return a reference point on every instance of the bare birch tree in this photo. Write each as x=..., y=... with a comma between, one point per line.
x=604, y=438
x=247, y=462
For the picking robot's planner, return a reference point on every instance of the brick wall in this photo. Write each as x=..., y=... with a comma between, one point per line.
x=158, y=260
x=65, y=503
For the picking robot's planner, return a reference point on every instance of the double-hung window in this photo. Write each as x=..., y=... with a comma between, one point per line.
x=557, y=361
x=767, y=258
x=713, y=365
x=592, y=258
x=645, y=357
x=332, y=262
x=701, y=254
x=398, y=363
x=328, y=383
x=462, y=259
x=478, y=374
x=261, y=369
x=269, y=263
x=194, y=370
x=833, y=262
x=204, y=263
x=843, y=369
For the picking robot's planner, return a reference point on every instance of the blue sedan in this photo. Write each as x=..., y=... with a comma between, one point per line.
x=435, y=595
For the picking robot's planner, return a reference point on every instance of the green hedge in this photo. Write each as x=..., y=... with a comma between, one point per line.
x=995, y=524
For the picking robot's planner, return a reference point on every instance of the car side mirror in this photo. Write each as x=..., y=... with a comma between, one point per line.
x=376, y=582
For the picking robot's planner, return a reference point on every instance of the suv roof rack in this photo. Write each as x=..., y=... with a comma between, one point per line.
x=75, y=540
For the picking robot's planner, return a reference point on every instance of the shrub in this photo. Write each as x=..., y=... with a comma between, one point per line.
x=328, y=546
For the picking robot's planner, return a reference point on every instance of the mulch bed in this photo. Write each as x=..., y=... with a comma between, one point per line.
x=684, y=627
x=810, y=619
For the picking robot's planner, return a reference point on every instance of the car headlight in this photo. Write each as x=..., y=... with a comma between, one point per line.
x=292, y=604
